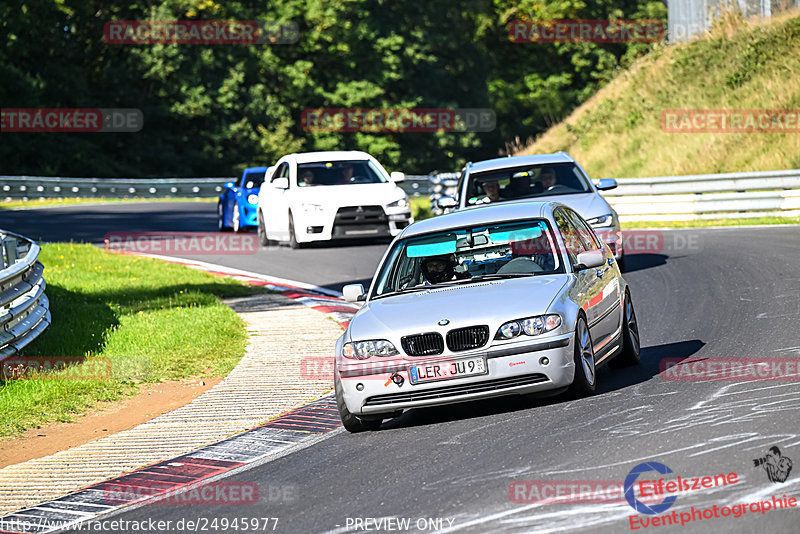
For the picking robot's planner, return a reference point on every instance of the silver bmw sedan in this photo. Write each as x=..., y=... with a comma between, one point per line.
x=519, y=298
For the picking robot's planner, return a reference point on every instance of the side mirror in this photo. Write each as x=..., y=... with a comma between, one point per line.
x=353, y=292
x=280, y=183
x=607, y=183
x=444, y=202
x=590, y=259
x=229, y=185
x=397, y=177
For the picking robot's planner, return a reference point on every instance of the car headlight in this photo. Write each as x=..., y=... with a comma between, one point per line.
x=399, y=203
x=312, y=208
x=531, y=326
x=604, y=220
x=362, y=350
x=252, y=199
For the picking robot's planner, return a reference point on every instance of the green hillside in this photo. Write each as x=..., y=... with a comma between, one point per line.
x=617, y=133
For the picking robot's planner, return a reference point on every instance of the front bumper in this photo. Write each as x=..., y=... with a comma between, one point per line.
x=512, y=369
x=325, y=226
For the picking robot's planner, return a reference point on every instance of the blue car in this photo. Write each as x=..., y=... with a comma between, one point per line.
x=236, y=209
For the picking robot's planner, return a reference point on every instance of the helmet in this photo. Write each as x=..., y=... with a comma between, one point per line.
x=438, y=269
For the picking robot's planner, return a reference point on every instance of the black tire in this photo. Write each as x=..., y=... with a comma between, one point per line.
x=631, y=346
x=221, y=219
x=263, y=240
x=293, y=243
x=585, y=380
x=236, y=223
x=351, y=422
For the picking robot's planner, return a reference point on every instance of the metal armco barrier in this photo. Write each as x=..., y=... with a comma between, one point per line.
x=42, y=187
x=34, y=187
x=24, y=308
x=708, y=196
x=664, y=198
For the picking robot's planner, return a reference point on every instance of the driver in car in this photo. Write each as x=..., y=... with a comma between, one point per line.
x=438, y=269
x=491, y=190
x=347, y=173
x=548, y=178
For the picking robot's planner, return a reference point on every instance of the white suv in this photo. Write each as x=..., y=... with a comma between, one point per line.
x=319, y=196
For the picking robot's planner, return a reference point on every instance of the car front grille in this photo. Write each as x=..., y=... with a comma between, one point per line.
x=361, y=215
x=456, y=390
x=467, y=338
x=423, y=344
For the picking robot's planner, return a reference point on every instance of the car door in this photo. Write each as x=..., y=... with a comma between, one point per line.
x=587, y=285
x=276, y=207
x=607, y=302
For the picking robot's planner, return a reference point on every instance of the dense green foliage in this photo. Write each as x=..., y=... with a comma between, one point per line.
x=211, y=110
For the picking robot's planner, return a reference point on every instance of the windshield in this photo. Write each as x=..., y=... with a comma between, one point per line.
x=338, y=173
x=466, y=255
x=529, y=181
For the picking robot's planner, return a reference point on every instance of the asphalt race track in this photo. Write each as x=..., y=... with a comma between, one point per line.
x=734, y=295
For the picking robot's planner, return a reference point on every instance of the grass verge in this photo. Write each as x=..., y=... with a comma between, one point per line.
x=705, y=223
x=152, y=320
x=51, y=202
x=420, y=207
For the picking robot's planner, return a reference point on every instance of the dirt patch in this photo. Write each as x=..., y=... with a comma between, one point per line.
x=151, y=401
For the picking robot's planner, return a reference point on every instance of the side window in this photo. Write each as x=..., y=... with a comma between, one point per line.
x=584, y=232
x=572, y=240
x=282, y=172
x=253, y=179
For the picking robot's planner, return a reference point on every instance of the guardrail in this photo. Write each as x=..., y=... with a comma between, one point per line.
x=27, y=187
x=24, y=308
x=34, y=187
x=707, y=196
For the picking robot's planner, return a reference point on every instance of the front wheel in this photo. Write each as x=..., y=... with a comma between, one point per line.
x=263, y=240
x=631, y=348
x=585, y=379
x=236, y=220
x=352, y=423
x=221, y=218
x=293, y=242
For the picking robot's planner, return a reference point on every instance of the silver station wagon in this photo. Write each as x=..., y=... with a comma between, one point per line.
x=516, y=298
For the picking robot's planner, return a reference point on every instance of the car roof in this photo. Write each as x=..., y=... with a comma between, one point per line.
x=485, y=215
x=329, y=155
x=517, y=161
x=256, y=169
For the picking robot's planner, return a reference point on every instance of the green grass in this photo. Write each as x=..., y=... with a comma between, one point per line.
x=704, y=223
x=420, y=207
x=617, y=133
x=50, y=202
x=153, y=320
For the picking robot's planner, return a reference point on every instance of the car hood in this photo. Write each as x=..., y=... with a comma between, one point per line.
x=588, y=205
x=349, y=195
x=490, y=302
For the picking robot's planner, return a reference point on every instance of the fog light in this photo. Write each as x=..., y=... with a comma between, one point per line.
x=360, y=386
x=544, y=360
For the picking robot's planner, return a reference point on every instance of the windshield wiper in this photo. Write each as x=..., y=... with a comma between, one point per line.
x=412, y=289
x=496, y=276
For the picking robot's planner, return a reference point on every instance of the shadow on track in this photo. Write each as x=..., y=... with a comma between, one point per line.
x=609, y=380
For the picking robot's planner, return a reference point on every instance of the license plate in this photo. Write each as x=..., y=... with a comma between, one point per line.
x=447, y=369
